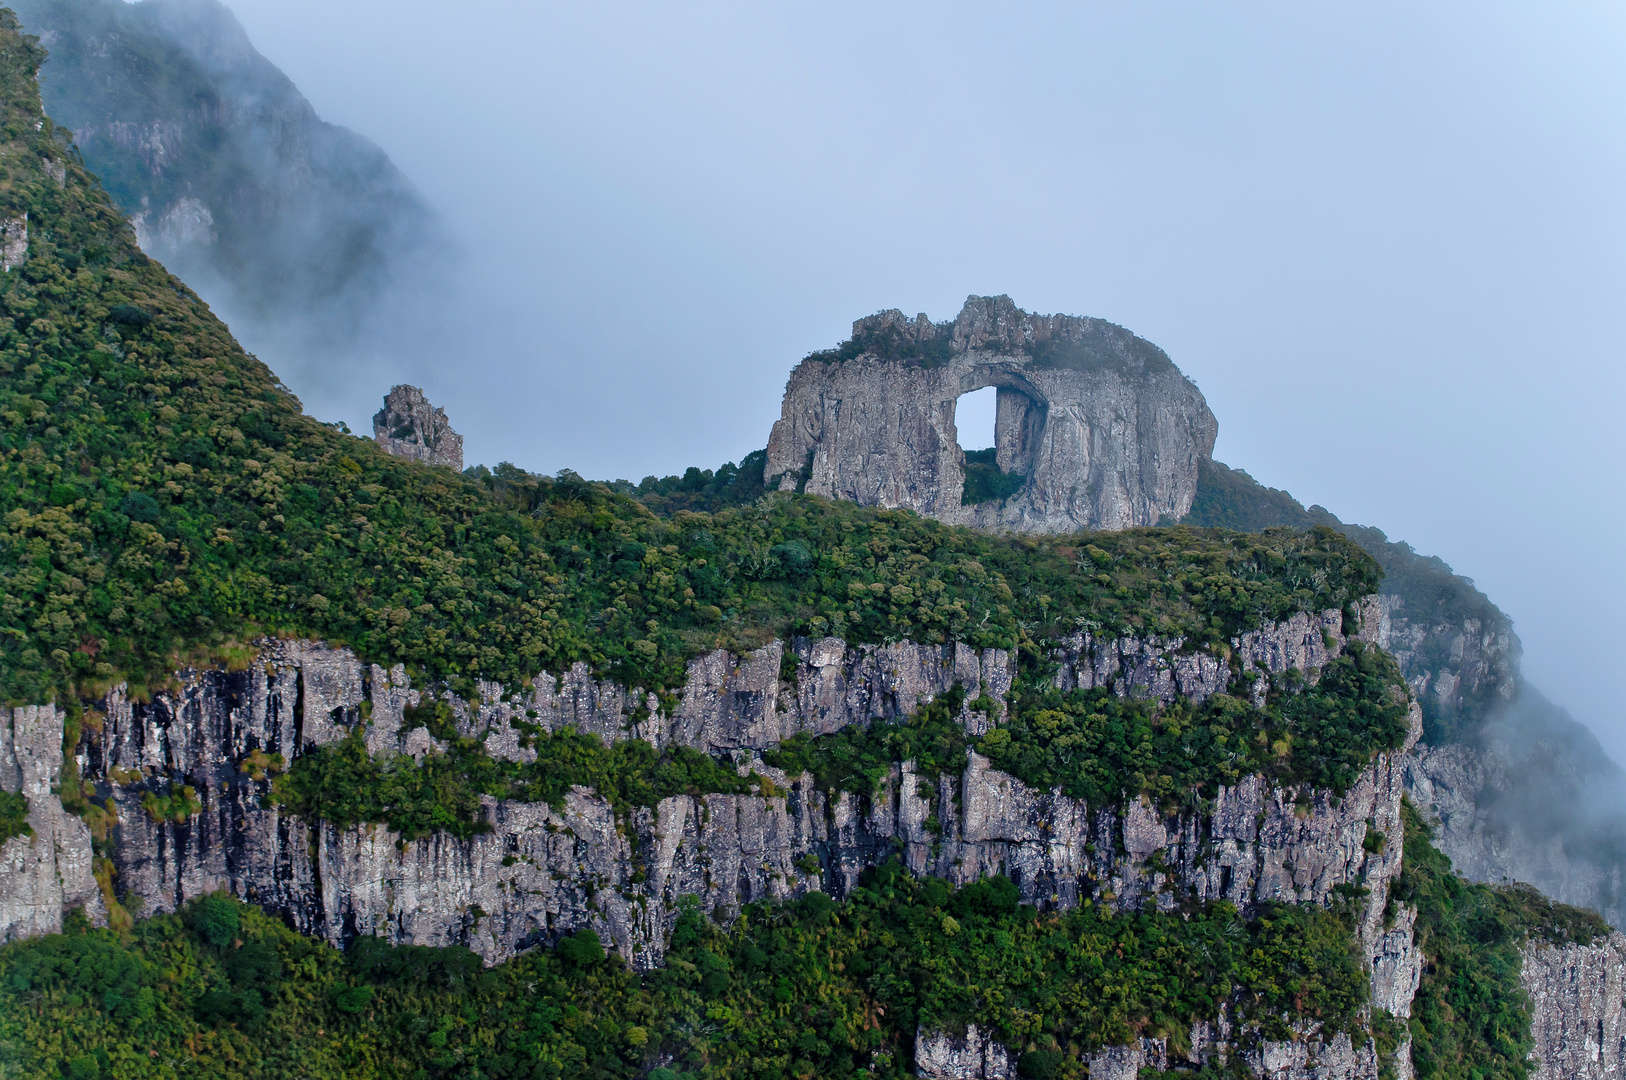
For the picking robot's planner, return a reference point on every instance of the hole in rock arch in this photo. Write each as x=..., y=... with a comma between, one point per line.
x=975, y=416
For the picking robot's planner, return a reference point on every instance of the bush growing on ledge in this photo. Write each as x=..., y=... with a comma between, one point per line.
x=984, y=482
x=1096, y=746
x=341, y=784
x=14, y=815
x=811, y=988
x=1099, y=747
x=1092, y=745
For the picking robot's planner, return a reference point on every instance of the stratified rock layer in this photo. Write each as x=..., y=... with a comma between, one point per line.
x=408, y=426
x=1105, y=429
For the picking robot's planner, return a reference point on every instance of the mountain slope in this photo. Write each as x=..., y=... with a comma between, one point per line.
x=292, y=227
x=1518, y=788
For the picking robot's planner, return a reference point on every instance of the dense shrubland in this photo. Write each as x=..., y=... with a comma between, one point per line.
x=813, y=988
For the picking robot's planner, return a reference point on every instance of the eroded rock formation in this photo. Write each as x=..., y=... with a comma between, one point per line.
x=1102, y=425
x=408, y=426
x=543, y=871
x=13, y=242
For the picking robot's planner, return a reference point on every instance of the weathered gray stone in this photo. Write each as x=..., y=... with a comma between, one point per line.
x=408, y=426
x=1106, y=429
x=13, y=242
x=1473, y=797
x=541, y=872
x=972, y=1056
x=1576, y=1003
x=46, y=874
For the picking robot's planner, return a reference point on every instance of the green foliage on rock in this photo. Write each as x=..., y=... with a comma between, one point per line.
x=14, y=815
x=1432, y=595
x=1471, y=1016
x=339, y=783
x=1102, y=748
x=859, y=759
x=1096, y=746
x=984, y=482
x=811, y=988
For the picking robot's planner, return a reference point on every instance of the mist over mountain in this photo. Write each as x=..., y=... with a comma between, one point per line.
x=302, y=235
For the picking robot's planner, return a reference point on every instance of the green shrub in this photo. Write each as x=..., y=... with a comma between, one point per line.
x=815, y=986
x=14, y=815
x=984, y=482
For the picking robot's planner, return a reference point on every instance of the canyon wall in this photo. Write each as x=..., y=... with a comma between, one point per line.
x=1103, y=427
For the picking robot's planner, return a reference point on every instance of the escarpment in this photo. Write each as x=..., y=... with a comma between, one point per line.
x=1097, y=425
x=543, y=870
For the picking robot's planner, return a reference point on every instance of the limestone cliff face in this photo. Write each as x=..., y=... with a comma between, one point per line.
x=1577, y=1015
x=1105, y=429
x=543, y=871
x=408, y=426
x=43, y=875
x=1453, y=667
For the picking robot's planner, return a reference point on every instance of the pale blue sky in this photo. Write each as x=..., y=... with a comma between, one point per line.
x=1385, y=239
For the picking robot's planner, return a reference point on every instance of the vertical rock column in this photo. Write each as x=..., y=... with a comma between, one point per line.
x=50, y=872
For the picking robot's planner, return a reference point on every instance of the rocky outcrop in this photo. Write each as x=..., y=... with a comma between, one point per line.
x=13, y=242
x=52, y=871
x=1453, y=667
x=972, y=1056
x=408, y=426
x=1576, y=1009
x=1104, y=428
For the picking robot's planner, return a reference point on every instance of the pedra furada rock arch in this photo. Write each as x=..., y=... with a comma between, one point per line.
x=1096, y=428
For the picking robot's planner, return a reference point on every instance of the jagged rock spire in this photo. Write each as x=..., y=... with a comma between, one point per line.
x=409, y=426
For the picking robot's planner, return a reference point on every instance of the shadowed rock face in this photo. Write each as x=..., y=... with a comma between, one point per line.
x=1106, y=430
x=409, y=426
